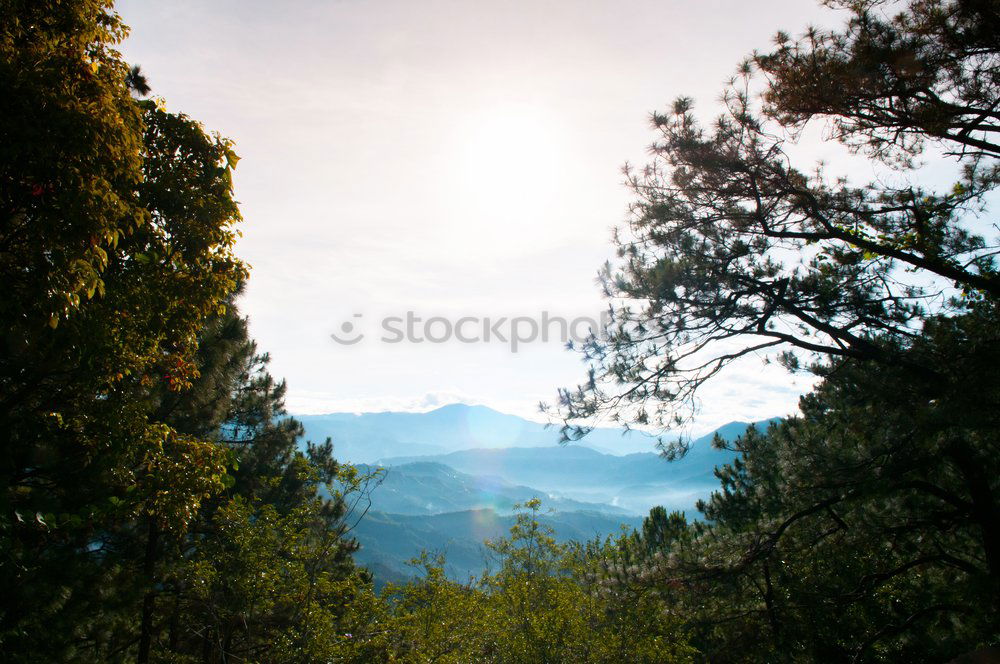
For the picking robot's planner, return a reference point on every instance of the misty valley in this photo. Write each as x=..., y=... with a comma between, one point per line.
x=471, y=465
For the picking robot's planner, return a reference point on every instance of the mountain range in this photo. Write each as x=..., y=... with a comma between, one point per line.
x=367, y=437
x=632, y=482
x=450, y=478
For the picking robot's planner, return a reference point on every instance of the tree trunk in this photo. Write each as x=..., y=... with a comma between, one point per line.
x=148, y=601
x=984, y=512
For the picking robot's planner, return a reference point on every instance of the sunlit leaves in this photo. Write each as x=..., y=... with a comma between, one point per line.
x=541, y=605
x=109, y=280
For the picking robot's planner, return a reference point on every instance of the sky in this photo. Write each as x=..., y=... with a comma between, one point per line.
x=453, y=159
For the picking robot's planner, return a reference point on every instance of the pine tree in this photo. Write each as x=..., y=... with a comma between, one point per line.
x=733, y=250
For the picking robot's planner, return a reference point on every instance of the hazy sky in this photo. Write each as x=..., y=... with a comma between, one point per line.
x=449, y=158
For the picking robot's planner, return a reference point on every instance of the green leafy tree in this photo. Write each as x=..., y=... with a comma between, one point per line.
x=435, y=619
x=268, y=586
x=156, y=503
x=545, y=603
x=117, y=226
x=265, y=569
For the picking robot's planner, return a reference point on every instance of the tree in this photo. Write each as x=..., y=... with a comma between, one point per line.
x=863, y=530
x=840, y=535
x=116, y=227
x=731, y=251
x=155, y=502
x=435, y=619
x=266, y=571
x=544, y=604
x=893, y=83
x=264, y=568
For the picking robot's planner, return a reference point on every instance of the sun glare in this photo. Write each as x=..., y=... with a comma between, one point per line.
x=510, y=164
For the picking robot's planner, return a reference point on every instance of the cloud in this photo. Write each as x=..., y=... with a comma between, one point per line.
x=318, y=403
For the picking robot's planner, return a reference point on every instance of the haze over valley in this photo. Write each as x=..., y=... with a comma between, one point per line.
x=446, y=479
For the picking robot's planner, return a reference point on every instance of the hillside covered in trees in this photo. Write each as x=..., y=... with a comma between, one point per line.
x=158, y=504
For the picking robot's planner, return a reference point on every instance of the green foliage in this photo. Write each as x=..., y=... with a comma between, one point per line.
x=156, y=504
x=109, y=279
x=543, y=604
x=264, y=571
x=863, y=530
x=70, y=146
x=266, y=586
x=893, y=80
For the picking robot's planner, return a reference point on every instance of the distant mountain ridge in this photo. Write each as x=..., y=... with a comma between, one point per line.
x=451, y=501
x=633, y=482
x=366, y=437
